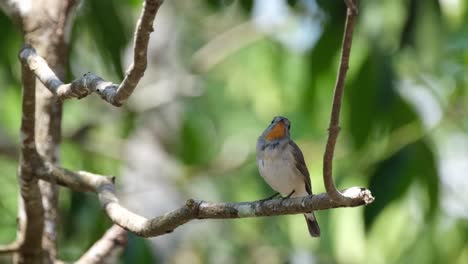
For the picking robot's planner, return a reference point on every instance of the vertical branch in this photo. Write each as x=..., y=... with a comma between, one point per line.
x=334, y=127
x=31, y=211
x=137, y=69
x=50, y=42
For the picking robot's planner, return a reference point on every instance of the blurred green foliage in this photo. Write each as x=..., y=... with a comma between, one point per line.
x=386, y=142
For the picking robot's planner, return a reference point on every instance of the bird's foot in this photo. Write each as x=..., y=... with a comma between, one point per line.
x=269, y=198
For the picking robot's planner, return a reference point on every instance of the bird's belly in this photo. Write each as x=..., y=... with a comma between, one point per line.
x=282, y=176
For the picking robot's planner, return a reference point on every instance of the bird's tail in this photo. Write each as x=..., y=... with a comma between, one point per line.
x=312, y=224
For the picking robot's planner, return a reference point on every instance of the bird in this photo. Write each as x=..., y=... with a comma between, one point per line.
x=281, y=164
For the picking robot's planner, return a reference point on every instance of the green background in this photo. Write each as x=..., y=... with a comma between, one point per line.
x=404, y=128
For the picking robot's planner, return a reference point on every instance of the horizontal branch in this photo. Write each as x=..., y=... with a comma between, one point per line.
x=112, y=93
x=193, y=209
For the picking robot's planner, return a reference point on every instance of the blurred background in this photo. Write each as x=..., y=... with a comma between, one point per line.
x=219, y=71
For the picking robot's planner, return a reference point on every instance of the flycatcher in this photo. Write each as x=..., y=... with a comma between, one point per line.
x=281, y=163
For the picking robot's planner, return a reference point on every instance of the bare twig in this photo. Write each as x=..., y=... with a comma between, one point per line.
x=193, y=209
x=352, y=6
x=89, y=83
x=334, y=128
x=137, y=69
x=113, y=241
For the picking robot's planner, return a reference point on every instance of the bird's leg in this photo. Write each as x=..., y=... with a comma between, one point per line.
x=289, y=195
x=269, y=198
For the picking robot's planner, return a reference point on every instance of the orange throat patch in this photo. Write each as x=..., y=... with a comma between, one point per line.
x=277, y=132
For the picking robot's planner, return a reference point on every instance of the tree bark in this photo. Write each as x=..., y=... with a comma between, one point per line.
x=44, y=28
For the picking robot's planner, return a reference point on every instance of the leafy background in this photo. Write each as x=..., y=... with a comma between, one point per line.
x=219, y=71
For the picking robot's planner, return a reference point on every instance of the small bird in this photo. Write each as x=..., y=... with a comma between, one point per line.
x=281, y=163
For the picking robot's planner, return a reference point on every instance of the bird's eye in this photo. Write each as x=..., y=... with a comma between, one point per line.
x=272, y=121
x=289, y=126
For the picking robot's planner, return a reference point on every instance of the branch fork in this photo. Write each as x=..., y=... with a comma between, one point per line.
x=34, y=65
x=115, y=94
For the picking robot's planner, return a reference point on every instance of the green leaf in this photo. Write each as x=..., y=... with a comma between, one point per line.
x=9, y=47
x=138, y=250
x=219, y=4
x=425, y=168
x=198, y=136
x=108, y=29
x=247, y=5
x=370, y=96
x=321, y=59
x=393, y=177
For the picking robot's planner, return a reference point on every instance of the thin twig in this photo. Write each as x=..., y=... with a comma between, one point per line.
x=113, y=241
x=112, y=93
x=334, y=127
x=137, y=69
x=103, y=186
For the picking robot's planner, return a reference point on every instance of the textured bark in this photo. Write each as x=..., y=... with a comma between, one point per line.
x=30, y=211
x=50, y=42
x=334, y=127
x=43, y=26
x=104, y=187
x=115, y=94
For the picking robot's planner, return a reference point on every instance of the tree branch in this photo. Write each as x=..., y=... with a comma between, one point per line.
x=31, y=219
x=334, y=127
x=89, y=82
x=103, y=186
x=137, y=69
x=50, y=42
x=113, y=241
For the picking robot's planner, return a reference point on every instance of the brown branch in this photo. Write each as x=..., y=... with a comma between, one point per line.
x=50, y=42
x=352, y=6
x=334, y=127
x=31, y=211
x=103, y=186
x=137, y=69
x=89, y=82
x=113, y=241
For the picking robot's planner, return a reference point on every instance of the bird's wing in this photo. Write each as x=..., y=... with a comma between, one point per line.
x=300, y=165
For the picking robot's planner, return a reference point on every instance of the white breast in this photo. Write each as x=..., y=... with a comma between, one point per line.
x=279, y=171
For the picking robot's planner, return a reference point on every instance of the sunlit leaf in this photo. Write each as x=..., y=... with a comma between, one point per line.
x=393, y=177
